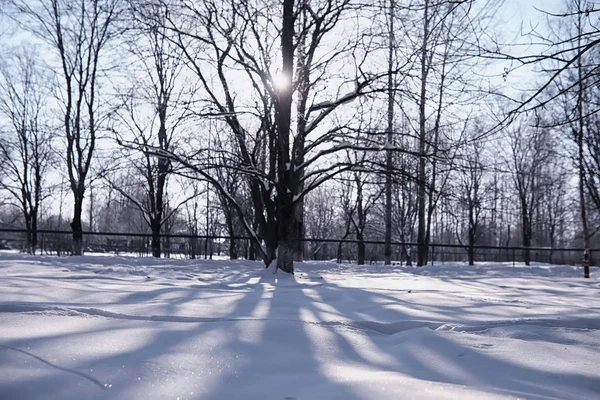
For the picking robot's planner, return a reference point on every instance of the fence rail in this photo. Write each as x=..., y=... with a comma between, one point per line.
x=342, y=250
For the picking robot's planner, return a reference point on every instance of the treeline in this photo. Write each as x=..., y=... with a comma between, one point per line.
x=400, y=121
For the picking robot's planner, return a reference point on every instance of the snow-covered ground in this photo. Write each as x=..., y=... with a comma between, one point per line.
x=138, y=328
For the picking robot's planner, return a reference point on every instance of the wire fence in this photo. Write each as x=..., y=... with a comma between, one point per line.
x=405, y=253
x=53, y=242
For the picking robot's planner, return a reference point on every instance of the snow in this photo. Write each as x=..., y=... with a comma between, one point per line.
x=140, y=328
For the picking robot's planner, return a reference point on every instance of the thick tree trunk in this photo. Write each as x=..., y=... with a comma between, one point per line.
x=286, y=214
x=233, y=252
x=287, y=234
x=28, y=238
x=285, y=250
x=406, y=255
x=471, y=254
x=77, y=227
x=361, y=249
x=526, y=245
x=252, y=251
x=193, y=245
x=155, y=243
x=271, y=243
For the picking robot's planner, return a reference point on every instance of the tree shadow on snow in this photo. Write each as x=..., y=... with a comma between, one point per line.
x=286, y=337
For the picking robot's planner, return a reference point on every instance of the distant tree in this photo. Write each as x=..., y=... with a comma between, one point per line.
x=152, y=111
x=567, y=54
x=358, y=199
x=77, y=31
x=471, y=191
x=445, y=36
x=321, y=220
x=532, y=148
x=26, y=142
x=116, y=209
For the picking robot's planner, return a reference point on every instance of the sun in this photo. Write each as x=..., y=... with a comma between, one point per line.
x=280, y=81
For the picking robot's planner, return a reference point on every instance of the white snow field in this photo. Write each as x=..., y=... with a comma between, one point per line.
x=138, y=328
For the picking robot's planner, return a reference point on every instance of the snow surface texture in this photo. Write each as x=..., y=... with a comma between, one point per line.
x=140, y=328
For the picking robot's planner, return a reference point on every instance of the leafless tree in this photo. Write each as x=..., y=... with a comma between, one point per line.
x=568, y=55
x=359, y=196
x=78, y=32
x=26, y=145
x=580, y=115
x=446, y=36
x=287, y=129
x=391, y=92
x=531, y=150
x=321, y=220
x=471, y=191
x=152, y=110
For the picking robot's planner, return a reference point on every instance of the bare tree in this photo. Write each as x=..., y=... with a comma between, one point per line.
x=358, y=199
x=553, y=208
x=26, y=148
x=152, y=110
x=391, y=15
x=321, y=222
x=117, y=210
x=586, y=138
x=471, y=191
x=287, y=130
x=445, y=36
x=531, y=149
x=78, y=32
x=566, y=56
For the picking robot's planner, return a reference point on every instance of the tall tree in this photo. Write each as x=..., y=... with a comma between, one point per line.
x=78, y=32
x=446, y=38
x=152, y=110
x=287, y=130
x=531, y=149
x=391, y=13
x=470, y=169
x=565, y=54
x=359, y=196
x=26, y=147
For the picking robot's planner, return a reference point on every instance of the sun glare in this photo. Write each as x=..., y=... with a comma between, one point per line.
x=280, y=81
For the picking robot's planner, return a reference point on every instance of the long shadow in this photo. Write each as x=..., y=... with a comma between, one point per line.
x=523, y=380
x=290, y=370
x=169, y=337
x=435, y=357
x=287, y=332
